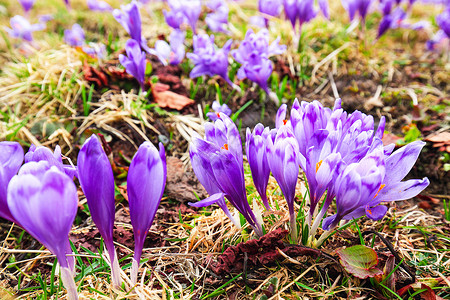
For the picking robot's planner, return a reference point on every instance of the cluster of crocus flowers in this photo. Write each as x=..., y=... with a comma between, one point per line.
x=341, y=155
x=183, y=12
x=41, y=197
x=253, y=54
x=217, y=160
x=208, y=60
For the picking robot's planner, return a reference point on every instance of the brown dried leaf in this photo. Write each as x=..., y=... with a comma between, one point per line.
x=166, y=98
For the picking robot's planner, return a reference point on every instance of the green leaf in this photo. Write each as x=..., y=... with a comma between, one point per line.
x=360, y=261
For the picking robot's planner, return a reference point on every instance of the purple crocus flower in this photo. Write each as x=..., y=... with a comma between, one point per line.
x=217, y=20
x=174, y=53
x=324, y=8
x=22, y=29
x=217, y=109
x=257, y=158
x=257, y=43
x=301, y=10
x=217, y=161
x=392, y=20
x=134, y=62
x=183, y=11
x=257, y=69
x=27, y=5
x=11, y=158
x=253, y=53
x=269, y=7
x=37, y=154
x=443, y=21
x=392, y=188
x=98, y=5
x=145, y=182
x=44, y=201
x=360, y=7
x=208, y=60
x=97, y=181
x=74, y=37
x=284, y=161
x=356, y=186
x=130, y=18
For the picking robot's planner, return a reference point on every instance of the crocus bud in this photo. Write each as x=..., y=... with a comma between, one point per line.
x=257, y=159
x=97, y=181
x=284, y=160
x=44, y=201
x=11, y=158
x=145, y=182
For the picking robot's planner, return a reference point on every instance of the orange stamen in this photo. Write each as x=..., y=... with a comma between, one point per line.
x=225, y=146
x=381, y=187
x=218, y=115
x=318, y=165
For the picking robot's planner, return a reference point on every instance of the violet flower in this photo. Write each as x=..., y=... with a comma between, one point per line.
x=97, y=181
x=98, y=5
x=74, y=37
x=145, y=182
x=269, y=8
x=174, y=53
x=217, y=109
x=22, y=29
x=443, y=21
x=217, y=161
x=217, y=21
x=391, y=21
x=437, y=41
x=356, y=186
x=134, y=62
x=27, y=5
x=183, y=11
x=208, y=60
x=253, y=54
x=360, y=7
x=284, y=161
x=37, y=154
x=130, y=18
x=257, y=159
x=392, y=188
x=11, y=158
x=257, y=69
x=301, y=10
x=44, y=201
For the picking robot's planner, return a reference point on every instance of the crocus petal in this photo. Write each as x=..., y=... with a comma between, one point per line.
x=208, y=201
x=145, y=182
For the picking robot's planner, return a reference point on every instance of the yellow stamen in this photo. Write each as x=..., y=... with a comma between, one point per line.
x=318, y=165
x=225, y=146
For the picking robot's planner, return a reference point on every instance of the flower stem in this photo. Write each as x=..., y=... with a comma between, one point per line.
x=293, y=224
x=69, y=283
x=322, y=238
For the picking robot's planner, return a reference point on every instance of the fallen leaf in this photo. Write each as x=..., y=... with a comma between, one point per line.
x=166, y=98
x=94, y=76
x=360, y=261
